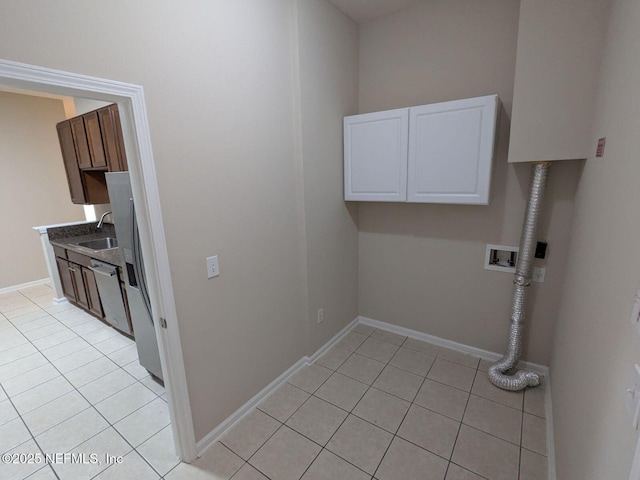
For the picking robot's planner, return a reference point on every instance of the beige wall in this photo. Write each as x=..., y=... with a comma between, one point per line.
x=328, y=53
x=595, y=346
x=33, y=185
x=421, y=265
x=220, y=79
x=557, y=65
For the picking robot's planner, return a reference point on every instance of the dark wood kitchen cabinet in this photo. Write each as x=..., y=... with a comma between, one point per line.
x=113, y=142
x=78, y=281
x=91, y=145
x=74, y=179
x=65, y=278
x=93, y=296
x=94, y=139
x=83, y=156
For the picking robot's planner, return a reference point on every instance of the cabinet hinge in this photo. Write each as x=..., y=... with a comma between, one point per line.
x=163, y=322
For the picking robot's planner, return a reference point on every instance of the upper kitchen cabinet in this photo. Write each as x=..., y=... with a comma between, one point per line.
x=437, y=153
x=111, y=133
x=67, y=147
x=94, y=139
x=557, y=70
x=92, y=145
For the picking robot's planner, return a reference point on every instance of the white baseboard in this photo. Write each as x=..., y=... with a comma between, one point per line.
x=22, y=286
x=442, y=342
x=60, y=301
x=551, y=444
x=214, y=435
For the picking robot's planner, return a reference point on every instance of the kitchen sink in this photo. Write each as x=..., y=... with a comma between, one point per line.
x=100, y=244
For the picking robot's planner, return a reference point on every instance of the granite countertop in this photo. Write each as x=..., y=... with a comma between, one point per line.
x=69, y=236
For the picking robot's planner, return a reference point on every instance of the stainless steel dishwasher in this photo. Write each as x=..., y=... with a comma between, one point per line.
x=111, y=295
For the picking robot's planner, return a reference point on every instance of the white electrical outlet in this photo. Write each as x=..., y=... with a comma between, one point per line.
x=539, y=274
x=213, y=270
x=632, y=399
x=320, y=315
x=635, y=313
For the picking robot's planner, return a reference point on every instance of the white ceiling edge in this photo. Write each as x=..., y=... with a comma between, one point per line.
x=362, y=11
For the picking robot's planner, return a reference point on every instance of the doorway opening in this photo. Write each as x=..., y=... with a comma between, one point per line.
x=130, y=100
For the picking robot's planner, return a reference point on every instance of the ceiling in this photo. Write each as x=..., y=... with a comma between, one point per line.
x=362, y=11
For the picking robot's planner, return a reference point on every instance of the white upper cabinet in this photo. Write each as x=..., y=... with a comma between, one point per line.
x=438, y=153
x=451, y=151
x=375, y=156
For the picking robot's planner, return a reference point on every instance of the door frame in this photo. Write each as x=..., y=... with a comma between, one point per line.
x=135, y=126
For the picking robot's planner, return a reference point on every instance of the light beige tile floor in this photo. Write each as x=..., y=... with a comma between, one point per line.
x=383, y=407
x=378, y=406
x=71, y=384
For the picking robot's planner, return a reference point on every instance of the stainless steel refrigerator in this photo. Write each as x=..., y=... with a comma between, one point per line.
x=124, y=219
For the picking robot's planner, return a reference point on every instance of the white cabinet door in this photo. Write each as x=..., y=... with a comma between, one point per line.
x=451, y=151
x=375, y=156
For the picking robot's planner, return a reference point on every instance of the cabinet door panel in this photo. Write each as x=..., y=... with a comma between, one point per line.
x=78, y=282
x=67, y=148
x=122, y=154
x=375, y=156
x=65, y=279
x=451, y=151
x=80, y=141
x=109, y=139
x=94, y=139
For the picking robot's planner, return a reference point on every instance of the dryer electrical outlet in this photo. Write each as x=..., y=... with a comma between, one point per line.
x=213, y=270
x=632, y=399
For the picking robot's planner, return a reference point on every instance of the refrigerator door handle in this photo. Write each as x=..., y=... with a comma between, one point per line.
x=137, y=262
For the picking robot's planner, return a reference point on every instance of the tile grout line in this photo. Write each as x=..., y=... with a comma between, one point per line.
x=91, y=405
x=455, y=442
x=370, y=386
x=469, y=393
x=411, y=403
x=283, y=424
x=28, y=430
x=350, y=412
x=322, y=447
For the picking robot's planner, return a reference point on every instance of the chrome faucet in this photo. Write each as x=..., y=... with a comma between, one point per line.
x=102, y=220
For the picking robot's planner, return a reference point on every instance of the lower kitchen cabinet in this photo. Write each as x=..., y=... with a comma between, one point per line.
x=78, y=281
x=82, y=299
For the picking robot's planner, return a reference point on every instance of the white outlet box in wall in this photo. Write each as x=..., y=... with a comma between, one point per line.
x=538, y=274
x=501, y=258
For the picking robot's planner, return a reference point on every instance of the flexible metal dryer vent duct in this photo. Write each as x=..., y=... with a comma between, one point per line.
x=522, y=280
